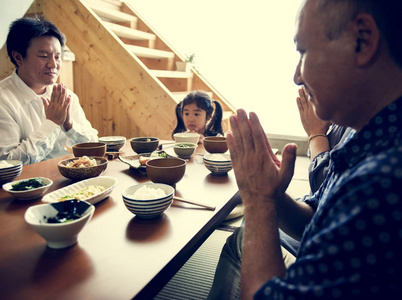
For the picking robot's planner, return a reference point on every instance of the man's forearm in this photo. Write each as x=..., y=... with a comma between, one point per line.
x=262, y=256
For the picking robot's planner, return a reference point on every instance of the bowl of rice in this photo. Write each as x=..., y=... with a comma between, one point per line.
x=148, y=200
x=218, y=163
x=84, y=167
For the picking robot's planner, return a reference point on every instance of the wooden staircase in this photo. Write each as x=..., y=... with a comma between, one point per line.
x=124, y=73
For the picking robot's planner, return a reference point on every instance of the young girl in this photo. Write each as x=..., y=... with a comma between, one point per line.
x=196, y=114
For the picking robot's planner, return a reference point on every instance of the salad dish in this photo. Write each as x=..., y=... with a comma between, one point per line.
x=28, y=189
x=92, y=190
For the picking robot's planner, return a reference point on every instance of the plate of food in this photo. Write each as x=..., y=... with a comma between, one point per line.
x=138, y=161
x=92, y=190
x=28, y=189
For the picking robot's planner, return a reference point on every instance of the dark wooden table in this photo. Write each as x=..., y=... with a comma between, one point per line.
x=118, y=256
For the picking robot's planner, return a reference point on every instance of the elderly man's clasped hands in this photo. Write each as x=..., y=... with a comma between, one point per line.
x=259, y=173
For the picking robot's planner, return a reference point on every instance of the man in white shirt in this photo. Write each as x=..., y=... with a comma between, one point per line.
x=38, y=118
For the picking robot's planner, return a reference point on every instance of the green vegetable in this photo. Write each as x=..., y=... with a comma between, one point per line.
x=162, y=154
x=26, y=185
x=183, y=146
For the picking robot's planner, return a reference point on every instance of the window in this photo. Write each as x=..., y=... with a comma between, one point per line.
x=243, y=48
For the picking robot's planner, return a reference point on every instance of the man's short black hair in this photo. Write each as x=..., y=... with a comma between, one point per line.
x=23, y=30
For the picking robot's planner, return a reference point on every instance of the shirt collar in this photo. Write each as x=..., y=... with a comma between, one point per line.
x=27, y=94
x=378, y=135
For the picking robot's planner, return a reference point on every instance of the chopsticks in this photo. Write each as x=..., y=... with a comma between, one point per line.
x=194, y=202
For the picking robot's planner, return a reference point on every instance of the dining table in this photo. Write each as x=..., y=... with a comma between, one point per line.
x=118, y=255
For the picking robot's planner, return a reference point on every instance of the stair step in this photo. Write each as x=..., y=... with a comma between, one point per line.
x=150, y=53
x=112, y=15
x=171, y=74
x=129, y=33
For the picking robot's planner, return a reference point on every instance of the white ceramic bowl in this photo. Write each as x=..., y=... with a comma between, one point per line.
x=58, y=235
x=28, y=194
x=186, y=137
x=218, y=163
x=148, y=208
x=9, y=173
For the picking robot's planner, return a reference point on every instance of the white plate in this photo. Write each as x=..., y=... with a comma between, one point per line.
x=108, y=182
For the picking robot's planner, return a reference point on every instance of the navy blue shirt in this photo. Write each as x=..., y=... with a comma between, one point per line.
x=352, y=248
x=319, y=166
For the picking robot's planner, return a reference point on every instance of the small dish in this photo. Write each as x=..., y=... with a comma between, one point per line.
x=184, y=150
x=107, y=182
x=30, y=194
x=134, y=160
x=59, y=235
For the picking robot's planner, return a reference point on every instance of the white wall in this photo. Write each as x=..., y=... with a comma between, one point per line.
x=9, y=11
x=243, y=47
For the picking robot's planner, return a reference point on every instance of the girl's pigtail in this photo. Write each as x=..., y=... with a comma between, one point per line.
x=215, y=125
x=180, y=127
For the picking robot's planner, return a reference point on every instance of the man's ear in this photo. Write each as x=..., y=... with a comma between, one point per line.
x=367, y=39
x=17, y=57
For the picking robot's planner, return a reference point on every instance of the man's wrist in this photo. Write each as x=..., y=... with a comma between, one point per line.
x=68, y=126
x=313, y=136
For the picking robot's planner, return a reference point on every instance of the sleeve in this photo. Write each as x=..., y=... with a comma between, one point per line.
x=352, y=249
x=82, y=130
x=34, y=148
x=319, y=166
x=318, y=170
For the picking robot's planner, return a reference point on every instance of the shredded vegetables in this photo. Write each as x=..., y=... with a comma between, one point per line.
x=89, y=191
x=82, y=162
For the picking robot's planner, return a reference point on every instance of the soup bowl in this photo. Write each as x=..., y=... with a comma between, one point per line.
x=215, y=144
x=89, y=149
x=166, y=170
x=144, y=144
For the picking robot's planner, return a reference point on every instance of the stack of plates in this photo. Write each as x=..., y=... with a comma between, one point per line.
x=8, y=173
x=113, y=143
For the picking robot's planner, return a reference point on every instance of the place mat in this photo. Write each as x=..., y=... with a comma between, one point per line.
x=194, y=280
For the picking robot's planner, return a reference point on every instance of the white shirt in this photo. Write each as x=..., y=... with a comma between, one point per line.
x=26, y=134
